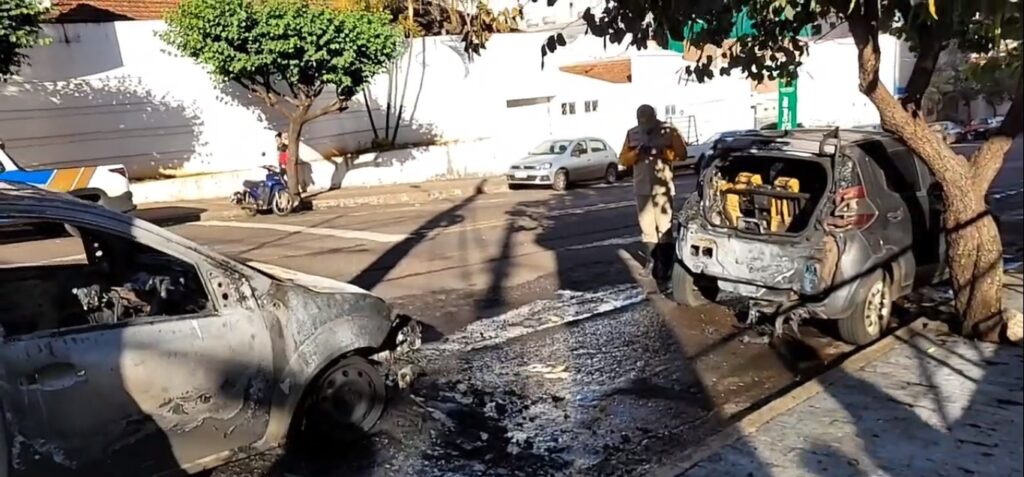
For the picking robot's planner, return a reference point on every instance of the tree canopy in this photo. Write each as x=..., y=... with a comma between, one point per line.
x=19, y=29
x=287, y=50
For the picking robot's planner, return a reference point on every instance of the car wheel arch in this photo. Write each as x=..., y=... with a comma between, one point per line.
x=287, y=422
x=300, y=375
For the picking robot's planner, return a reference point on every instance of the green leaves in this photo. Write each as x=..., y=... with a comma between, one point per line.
x=285, y=48
x=19, y=29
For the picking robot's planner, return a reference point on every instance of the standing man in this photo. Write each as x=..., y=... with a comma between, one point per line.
x=650, y=149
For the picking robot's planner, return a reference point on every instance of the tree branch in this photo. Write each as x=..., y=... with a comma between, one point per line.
x=268, y=95
x=334, y=106
x=988, y=159
x=941, y=160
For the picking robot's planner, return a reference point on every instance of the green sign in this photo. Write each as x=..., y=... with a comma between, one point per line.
x=787, y=105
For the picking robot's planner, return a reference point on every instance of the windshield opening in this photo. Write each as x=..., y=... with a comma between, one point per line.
x=550, y=147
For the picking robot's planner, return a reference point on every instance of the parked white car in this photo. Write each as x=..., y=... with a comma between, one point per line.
x=558, y=162
x=105, y=185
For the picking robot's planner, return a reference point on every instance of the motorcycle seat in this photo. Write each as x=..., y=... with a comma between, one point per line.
x=251, y=184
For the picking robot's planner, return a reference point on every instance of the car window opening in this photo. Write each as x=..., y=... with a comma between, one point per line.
x=55, y=276
x=765, y=195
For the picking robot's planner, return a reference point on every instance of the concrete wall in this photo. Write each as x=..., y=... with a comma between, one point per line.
x=828, y=91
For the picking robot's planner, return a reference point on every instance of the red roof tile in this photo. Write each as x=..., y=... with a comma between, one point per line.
x=613, y=71
x=81, y=11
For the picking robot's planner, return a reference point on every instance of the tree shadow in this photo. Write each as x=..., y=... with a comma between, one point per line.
x=52, y=116
x=947, y=406
x=361, y=137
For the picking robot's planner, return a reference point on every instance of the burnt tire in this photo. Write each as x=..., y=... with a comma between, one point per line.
x=611, y=174
x=347, y=402
x=871, y=314
x=686, y=290
x=561, y=180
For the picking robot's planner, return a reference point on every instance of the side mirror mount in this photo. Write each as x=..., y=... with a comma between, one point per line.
x=577, y=153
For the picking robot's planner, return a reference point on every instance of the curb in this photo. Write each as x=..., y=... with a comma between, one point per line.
x=412, y=195
x=753, y=421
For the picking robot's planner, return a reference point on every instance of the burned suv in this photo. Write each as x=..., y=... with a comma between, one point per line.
x=811, y=223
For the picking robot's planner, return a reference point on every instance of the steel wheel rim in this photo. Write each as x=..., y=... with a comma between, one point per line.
x=350, y=395
x=876, y=308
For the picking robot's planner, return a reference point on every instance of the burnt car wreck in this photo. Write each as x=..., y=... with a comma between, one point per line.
x=824, y=224
x=127, y=350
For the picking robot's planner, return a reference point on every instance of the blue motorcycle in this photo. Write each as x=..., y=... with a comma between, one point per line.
x=271, y=193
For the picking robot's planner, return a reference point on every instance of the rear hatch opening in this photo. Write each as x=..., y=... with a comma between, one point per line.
x=765, y=194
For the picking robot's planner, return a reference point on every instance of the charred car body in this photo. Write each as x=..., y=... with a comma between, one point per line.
x=147, y=354
x=812, y=223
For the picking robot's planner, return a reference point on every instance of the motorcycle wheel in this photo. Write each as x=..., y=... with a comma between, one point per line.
x=250, y=211
x=282, y=202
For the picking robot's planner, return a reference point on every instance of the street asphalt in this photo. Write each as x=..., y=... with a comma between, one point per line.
x=560, y=363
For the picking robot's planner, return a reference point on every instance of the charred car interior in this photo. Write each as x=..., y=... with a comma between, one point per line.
x=765, y=195
x=111, y=279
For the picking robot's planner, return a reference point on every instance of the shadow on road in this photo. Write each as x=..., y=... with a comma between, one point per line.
x=171, y=215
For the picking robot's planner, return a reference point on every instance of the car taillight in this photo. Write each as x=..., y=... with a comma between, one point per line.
x=120, y=171
x=852, y=209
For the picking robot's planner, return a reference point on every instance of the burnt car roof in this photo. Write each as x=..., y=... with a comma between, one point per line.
x=805, y=141
x=14, y=195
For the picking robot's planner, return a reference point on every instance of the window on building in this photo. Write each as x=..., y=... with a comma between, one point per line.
x=568, y=109
x=670, y=110
x=521, y=102
x=590, y=106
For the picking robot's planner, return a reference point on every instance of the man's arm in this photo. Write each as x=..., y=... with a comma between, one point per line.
x=628, y=155
x=678, y=146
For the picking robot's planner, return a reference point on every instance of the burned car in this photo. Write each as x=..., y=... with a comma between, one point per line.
x=811, y=223
x=127, y=350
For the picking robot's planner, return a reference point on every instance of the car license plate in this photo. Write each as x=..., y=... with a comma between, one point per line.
x=519, y=175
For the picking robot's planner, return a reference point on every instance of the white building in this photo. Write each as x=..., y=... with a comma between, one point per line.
x=111, y=91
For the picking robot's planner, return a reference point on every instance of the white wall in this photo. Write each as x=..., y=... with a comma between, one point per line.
x=827, y=91
x=112, y=93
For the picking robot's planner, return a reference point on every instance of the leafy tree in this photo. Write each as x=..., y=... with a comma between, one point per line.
x=774, y=50
x=19, y=29
x=286, y=52
x=993, y=76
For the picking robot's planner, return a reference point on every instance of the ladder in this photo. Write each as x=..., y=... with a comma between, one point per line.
x=687, y=126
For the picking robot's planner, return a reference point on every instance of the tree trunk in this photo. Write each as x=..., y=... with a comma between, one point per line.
x=292, y=168
x=973, y=243
x=975, y=257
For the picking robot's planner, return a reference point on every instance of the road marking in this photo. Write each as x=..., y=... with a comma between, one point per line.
x=624, y=240
x=340, y=233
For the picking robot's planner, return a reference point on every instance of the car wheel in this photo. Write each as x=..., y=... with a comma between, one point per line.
x=685, y=289
x=611, y=174
x=872, y=314
x=347, y=401
x=561, y=180
x=282, y=203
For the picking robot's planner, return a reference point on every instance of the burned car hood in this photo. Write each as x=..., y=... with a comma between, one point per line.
x=313, y=282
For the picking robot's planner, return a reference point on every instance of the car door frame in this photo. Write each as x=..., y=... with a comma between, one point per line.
x=937, y=268
x=579, y=166
x=600, y=160
x=233, y=314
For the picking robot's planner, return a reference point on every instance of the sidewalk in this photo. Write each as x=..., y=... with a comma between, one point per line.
x=919, y=402
x=345, y=197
